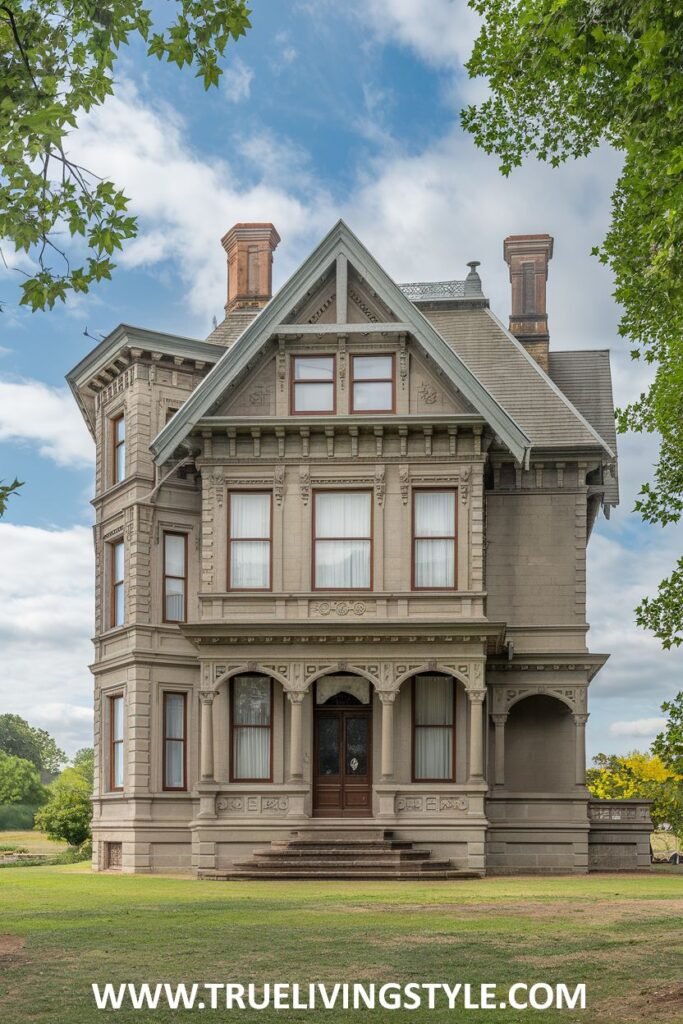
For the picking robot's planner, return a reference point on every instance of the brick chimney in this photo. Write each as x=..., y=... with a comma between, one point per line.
x=250, y=249
x=528, y=257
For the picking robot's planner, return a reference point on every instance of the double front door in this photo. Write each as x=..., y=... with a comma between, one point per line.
x=342, y=781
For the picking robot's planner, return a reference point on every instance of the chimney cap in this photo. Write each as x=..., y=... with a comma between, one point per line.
x=528, y=245
x=256, y=231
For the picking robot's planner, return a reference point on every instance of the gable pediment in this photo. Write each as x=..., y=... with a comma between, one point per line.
x=340, y=294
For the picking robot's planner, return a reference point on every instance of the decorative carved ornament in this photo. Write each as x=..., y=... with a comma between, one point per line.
x=341, y=608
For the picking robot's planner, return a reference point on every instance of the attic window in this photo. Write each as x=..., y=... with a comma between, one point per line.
x=313, y=384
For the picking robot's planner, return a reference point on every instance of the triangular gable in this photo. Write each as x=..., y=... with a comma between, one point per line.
x=339, y=243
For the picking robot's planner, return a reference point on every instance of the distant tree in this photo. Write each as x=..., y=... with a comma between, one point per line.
x=19, y=781
x=564, y=77
x=19, y=738
x=668, y=745
x=639, y=776
x=84, y=763
x=56, y=63
x=68, y=810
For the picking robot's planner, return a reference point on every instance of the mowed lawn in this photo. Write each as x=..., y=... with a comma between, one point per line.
x=62, y=928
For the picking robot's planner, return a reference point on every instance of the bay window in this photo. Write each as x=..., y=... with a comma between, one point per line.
x=249, y=545
x=433, y=729
x=251, y=715
x=342, y=554
x=434, y=540
x=116, y=742
x=175, y=577
x=313, y=384
x=117, y=610
x=175, y=728
x=372, y=384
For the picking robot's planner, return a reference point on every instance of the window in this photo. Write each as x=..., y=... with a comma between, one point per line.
x=250, y=541
x=116, y=742
x=117, y=609
x=313, y=384
x=175, y=577
x=372, y=383
x=434, y=540
x=343, y=540
x=251, y=712
x=433, y=729
x=119, y=444
x=175, y=711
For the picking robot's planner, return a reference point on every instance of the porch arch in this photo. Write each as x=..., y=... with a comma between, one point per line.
x=249, y=668
x=434, y=668
x=540, y=745
x=342, y=667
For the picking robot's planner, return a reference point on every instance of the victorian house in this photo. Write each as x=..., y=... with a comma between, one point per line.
x=341, y=579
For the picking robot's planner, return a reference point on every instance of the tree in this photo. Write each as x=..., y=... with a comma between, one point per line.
x=5, y=491
x=19, y=781
x=57, y=61
x=639, y=776
x=668, y=745
x=68, y=810
x=84, y=764
x=19, y=738
x=566, y=76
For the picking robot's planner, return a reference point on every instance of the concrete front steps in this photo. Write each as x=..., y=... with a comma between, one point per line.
x=342, y=857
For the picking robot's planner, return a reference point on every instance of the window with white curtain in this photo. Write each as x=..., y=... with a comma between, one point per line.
x=434, y=726
x=434, y=539
x=313, y=384
x=250, y=540
x=343, y=542
x=175, y=577
x=252, y=718
x=174, y=740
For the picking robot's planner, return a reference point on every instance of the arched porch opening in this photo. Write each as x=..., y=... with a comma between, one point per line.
x=540, y=741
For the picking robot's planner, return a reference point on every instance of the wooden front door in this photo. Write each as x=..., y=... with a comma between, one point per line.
x=342, y=776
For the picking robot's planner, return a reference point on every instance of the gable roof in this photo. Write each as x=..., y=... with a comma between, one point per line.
x=340, y=241
x=470, y=346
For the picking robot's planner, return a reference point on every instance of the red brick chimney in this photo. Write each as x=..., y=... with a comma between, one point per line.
x=250, y=249
x=528, y=257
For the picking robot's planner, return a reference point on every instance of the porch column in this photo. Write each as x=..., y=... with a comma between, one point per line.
x=476, y=699
x=499, y=749
x=580, y=731
x=206, y=752
x=387, y=699
x=296, y=754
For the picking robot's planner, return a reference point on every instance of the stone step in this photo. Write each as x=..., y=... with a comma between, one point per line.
x=340, y=844
x=314, y=863
x=318, y=850
x=339, y=874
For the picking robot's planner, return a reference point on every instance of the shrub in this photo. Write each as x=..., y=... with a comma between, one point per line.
x=68, y=810
x=19, y=781
x=17, y=817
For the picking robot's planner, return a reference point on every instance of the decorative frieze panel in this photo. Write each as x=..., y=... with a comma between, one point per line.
x=440, y=804
x=256, y=805
x=619, y=810
x=342, y=608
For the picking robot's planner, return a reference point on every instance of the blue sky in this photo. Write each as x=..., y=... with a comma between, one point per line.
x=325, y=110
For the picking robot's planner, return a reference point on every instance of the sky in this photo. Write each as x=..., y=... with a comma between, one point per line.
x=325, y=110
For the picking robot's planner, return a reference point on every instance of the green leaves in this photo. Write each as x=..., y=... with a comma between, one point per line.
x=6, y=490
x=56, y=62
x=566, y=76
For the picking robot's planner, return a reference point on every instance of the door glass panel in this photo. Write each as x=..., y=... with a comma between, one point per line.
x=328, y=746
x=357, y=746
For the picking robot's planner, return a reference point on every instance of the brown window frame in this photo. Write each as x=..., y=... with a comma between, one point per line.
x=425, y=725
x=167, y=576
x=174, y=739
x=315, y=539
x=115, y=583
x=269, y=538
x=233, y=728
x=113, y=742
x=293, y=383
x=415, y=537
x=115, y=446
x=373, y=380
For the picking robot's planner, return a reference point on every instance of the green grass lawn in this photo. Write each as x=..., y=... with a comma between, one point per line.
x=32, y=842
x=62, y=928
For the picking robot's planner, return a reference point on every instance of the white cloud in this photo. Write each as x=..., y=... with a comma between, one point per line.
x=46, y=620
x=236, y=80
x=647, y=727
x=33, y=412
x=441, y=36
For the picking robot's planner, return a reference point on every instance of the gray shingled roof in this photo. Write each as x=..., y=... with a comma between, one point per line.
x=585, y=378
x=229, y=329
x=515, y=380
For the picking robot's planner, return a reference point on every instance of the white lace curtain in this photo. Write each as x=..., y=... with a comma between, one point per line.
x=251, y=726
x=342, y=547
x=250, y=541
x=434, y=721
x=174, y=726
x=434, y=538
